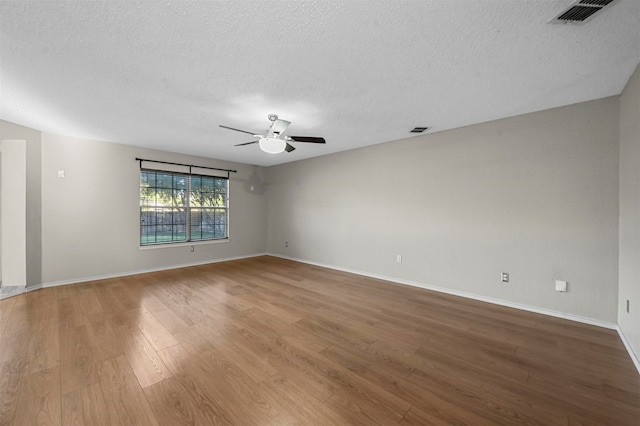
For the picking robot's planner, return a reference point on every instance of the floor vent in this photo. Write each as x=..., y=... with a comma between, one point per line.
x=581, y=11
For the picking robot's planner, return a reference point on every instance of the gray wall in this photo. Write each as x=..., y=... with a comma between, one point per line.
x=34, y=207
x=629, y=267
x=90, y=224
x=534, y=195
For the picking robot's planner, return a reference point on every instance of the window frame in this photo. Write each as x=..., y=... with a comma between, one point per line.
x=188, y=207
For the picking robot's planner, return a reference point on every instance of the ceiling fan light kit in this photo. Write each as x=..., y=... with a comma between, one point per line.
x=272, y=145
x=273, y=142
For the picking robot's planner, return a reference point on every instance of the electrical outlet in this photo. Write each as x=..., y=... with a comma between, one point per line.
x=193, y=249
x=399, y=258
x=504, y=277
x=286, y=243
x=561, y=286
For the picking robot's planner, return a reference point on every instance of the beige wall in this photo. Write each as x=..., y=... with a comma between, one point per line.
x=34, y=208
x=14, y=220
x=534, y=195
x=91, y=216
x=629, y=267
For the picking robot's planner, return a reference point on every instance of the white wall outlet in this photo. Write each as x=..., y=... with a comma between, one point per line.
x=561, y=286
x=504, y=277
x=399, y=258
x=286, y=243
x=193, y=249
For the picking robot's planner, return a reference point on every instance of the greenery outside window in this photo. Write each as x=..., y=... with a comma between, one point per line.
x=179, y=207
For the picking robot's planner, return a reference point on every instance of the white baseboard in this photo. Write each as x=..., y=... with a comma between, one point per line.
x=627, y=345
x=136, y=272
x=537, y=310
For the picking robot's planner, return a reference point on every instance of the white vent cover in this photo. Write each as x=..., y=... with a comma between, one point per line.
x=581, y=11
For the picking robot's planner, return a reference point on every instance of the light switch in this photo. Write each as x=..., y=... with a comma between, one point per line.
x=561, y=285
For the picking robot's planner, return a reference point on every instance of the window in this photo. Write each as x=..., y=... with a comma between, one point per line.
x=178, y=207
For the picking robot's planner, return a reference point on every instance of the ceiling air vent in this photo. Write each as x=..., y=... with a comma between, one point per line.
x=419, y=129
x=580, y=11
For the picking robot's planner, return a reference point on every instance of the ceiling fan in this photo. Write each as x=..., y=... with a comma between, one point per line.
x=273, y=141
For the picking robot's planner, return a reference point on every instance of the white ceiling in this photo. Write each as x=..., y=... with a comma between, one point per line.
x=165, y=74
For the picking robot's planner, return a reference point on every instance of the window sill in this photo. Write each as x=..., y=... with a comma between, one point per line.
x=185, y=244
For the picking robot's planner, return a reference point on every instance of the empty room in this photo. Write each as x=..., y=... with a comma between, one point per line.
x=320, y=212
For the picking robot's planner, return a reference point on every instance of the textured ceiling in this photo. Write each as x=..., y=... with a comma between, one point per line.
x=165, y=74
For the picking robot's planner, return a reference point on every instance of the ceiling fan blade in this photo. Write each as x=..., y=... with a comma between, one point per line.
x=310, y=139
x=246, y=143
x=289, y=148
x=279, y=126
x=237, y=130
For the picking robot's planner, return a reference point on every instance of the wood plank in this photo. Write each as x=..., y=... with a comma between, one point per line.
x=6, y=306
x=359, y=409
x=109, y=300
x=501, y=397
x=152, y=303
x=11, y=378
x=70, y=313
x=127, y=298
x=264, y=304
x=260, y=406
x=393, y=376
x=105, y=342
x=302, y=404
x=247, y=355
x=193, y=340
x=89, y=301
x=286, y=355
x=346, y=380
x=418, y=417
x=44, y=352
x=142, y=358
x=40, y=401
x=175, y=403
x=156, y=333
x=15, y=338
x=218, y=400
x=170, y=320
x=78, y=368
x=40, y=305
x=125, y=401
x=85, y=406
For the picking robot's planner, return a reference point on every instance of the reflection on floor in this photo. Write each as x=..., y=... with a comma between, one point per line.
x=8, y=291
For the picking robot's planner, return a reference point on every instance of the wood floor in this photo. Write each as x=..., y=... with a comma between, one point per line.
x=266, y=341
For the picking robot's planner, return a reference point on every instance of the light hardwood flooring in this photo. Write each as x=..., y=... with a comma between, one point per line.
x=266, y=341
